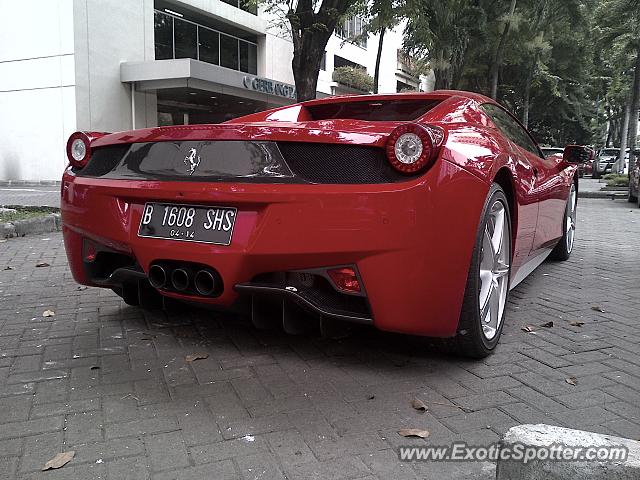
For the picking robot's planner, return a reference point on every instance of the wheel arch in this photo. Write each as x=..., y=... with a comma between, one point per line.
x=504, y=178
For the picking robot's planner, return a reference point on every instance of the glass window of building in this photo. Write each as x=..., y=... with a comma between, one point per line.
x=209, y=45
x=186, y=39
x=351, y=29
x=250, y=6
x=248, y=57
x=163, y=29
x=178, y=37
x=229, y=52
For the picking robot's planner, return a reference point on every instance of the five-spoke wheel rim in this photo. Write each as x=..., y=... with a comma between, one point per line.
x=570, y=221
x=494, y=269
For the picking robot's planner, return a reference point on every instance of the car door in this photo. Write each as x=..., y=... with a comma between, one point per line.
x=527, y=198
x=546, y=187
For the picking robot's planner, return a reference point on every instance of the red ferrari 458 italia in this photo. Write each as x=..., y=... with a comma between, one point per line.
x=414, y=213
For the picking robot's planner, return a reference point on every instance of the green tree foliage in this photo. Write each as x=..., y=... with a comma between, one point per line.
x=566, y=68
x=310, y=24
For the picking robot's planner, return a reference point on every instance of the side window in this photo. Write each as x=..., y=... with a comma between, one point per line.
x=512, y=129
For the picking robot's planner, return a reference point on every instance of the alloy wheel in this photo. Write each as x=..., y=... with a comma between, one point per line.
x=494, y=269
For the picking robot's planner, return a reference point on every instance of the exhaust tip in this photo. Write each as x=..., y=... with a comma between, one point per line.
x=157, y=276
x=180, y=279
x=205, y=282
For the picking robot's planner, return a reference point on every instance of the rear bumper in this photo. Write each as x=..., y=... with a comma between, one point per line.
x=411, y=242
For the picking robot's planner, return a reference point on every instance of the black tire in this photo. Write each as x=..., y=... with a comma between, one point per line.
x=470, y=340
x=562, y=250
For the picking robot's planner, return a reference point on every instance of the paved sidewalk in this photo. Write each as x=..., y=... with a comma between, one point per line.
x=110, y=381
x=588, y=184
x=30, y=195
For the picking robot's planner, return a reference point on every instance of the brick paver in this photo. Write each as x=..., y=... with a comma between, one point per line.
x=110, y=381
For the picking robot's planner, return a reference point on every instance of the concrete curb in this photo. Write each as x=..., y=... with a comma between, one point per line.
x=542, y=439
x=20, y=228
x=611, y=194
x=29, y=183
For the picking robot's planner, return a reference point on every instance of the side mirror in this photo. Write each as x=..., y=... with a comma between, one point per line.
x=577, y=154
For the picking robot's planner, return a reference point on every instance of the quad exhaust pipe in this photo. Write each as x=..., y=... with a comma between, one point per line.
x=157, y=276
x=180, y=279
x=205, y=281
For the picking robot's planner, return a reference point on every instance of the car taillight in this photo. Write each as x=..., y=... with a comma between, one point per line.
x=412, y=147
x=345, y=279
x=79, y=149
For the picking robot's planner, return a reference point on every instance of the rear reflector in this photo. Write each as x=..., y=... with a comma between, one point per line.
x=90, y=251
x=345, y=279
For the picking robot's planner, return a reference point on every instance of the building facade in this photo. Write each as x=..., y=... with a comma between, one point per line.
x=111, y=65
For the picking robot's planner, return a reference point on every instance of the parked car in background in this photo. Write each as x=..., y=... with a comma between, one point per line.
x=585, y=168
x=604, y=161
x=548, y=151
x=634, y=179
x=628, y=160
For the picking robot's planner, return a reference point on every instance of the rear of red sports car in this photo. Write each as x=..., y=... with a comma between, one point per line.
x=342, y=209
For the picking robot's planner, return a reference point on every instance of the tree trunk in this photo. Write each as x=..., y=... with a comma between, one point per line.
x=376, y=74
x=306, y=66
x=442, y=79
x=459, y=72
x=635, y=107
x=527, y=98
x=618, y=166
x=311, y=28
x=497, y=60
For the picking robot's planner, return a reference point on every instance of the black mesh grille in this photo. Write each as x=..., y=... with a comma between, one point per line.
x=334, y=163
x=104, y=159
x=321, y=163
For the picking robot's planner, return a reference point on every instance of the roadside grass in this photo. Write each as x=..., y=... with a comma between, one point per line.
x=616, y=180
x=12, y=213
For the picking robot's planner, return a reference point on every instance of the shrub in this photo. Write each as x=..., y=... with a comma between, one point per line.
x=353, y=77
x=617, y=180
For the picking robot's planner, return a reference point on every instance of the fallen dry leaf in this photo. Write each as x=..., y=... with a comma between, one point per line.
x=371, y=397
x=60, y=460
x=48, y=313
x=418, y=404
x=597, y=308
x=81, y=288
x=571, y=381
x=8, y=268
x=196, y=356
x=528, y=328
x=42, y=264
x=414, y=432
x=576, y=324
x=547, y=325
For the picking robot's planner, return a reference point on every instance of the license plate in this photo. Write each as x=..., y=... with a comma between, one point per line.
x=189, y=223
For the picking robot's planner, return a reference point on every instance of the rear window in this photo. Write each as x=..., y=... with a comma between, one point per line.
x=372, y=110
x=551, y=151
x=610, y=152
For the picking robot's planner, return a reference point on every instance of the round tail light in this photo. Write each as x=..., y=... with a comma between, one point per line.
x=79, y=149
x=412, y=147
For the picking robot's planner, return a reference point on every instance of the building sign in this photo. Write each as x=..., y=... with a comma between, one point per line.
x=264, y=85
